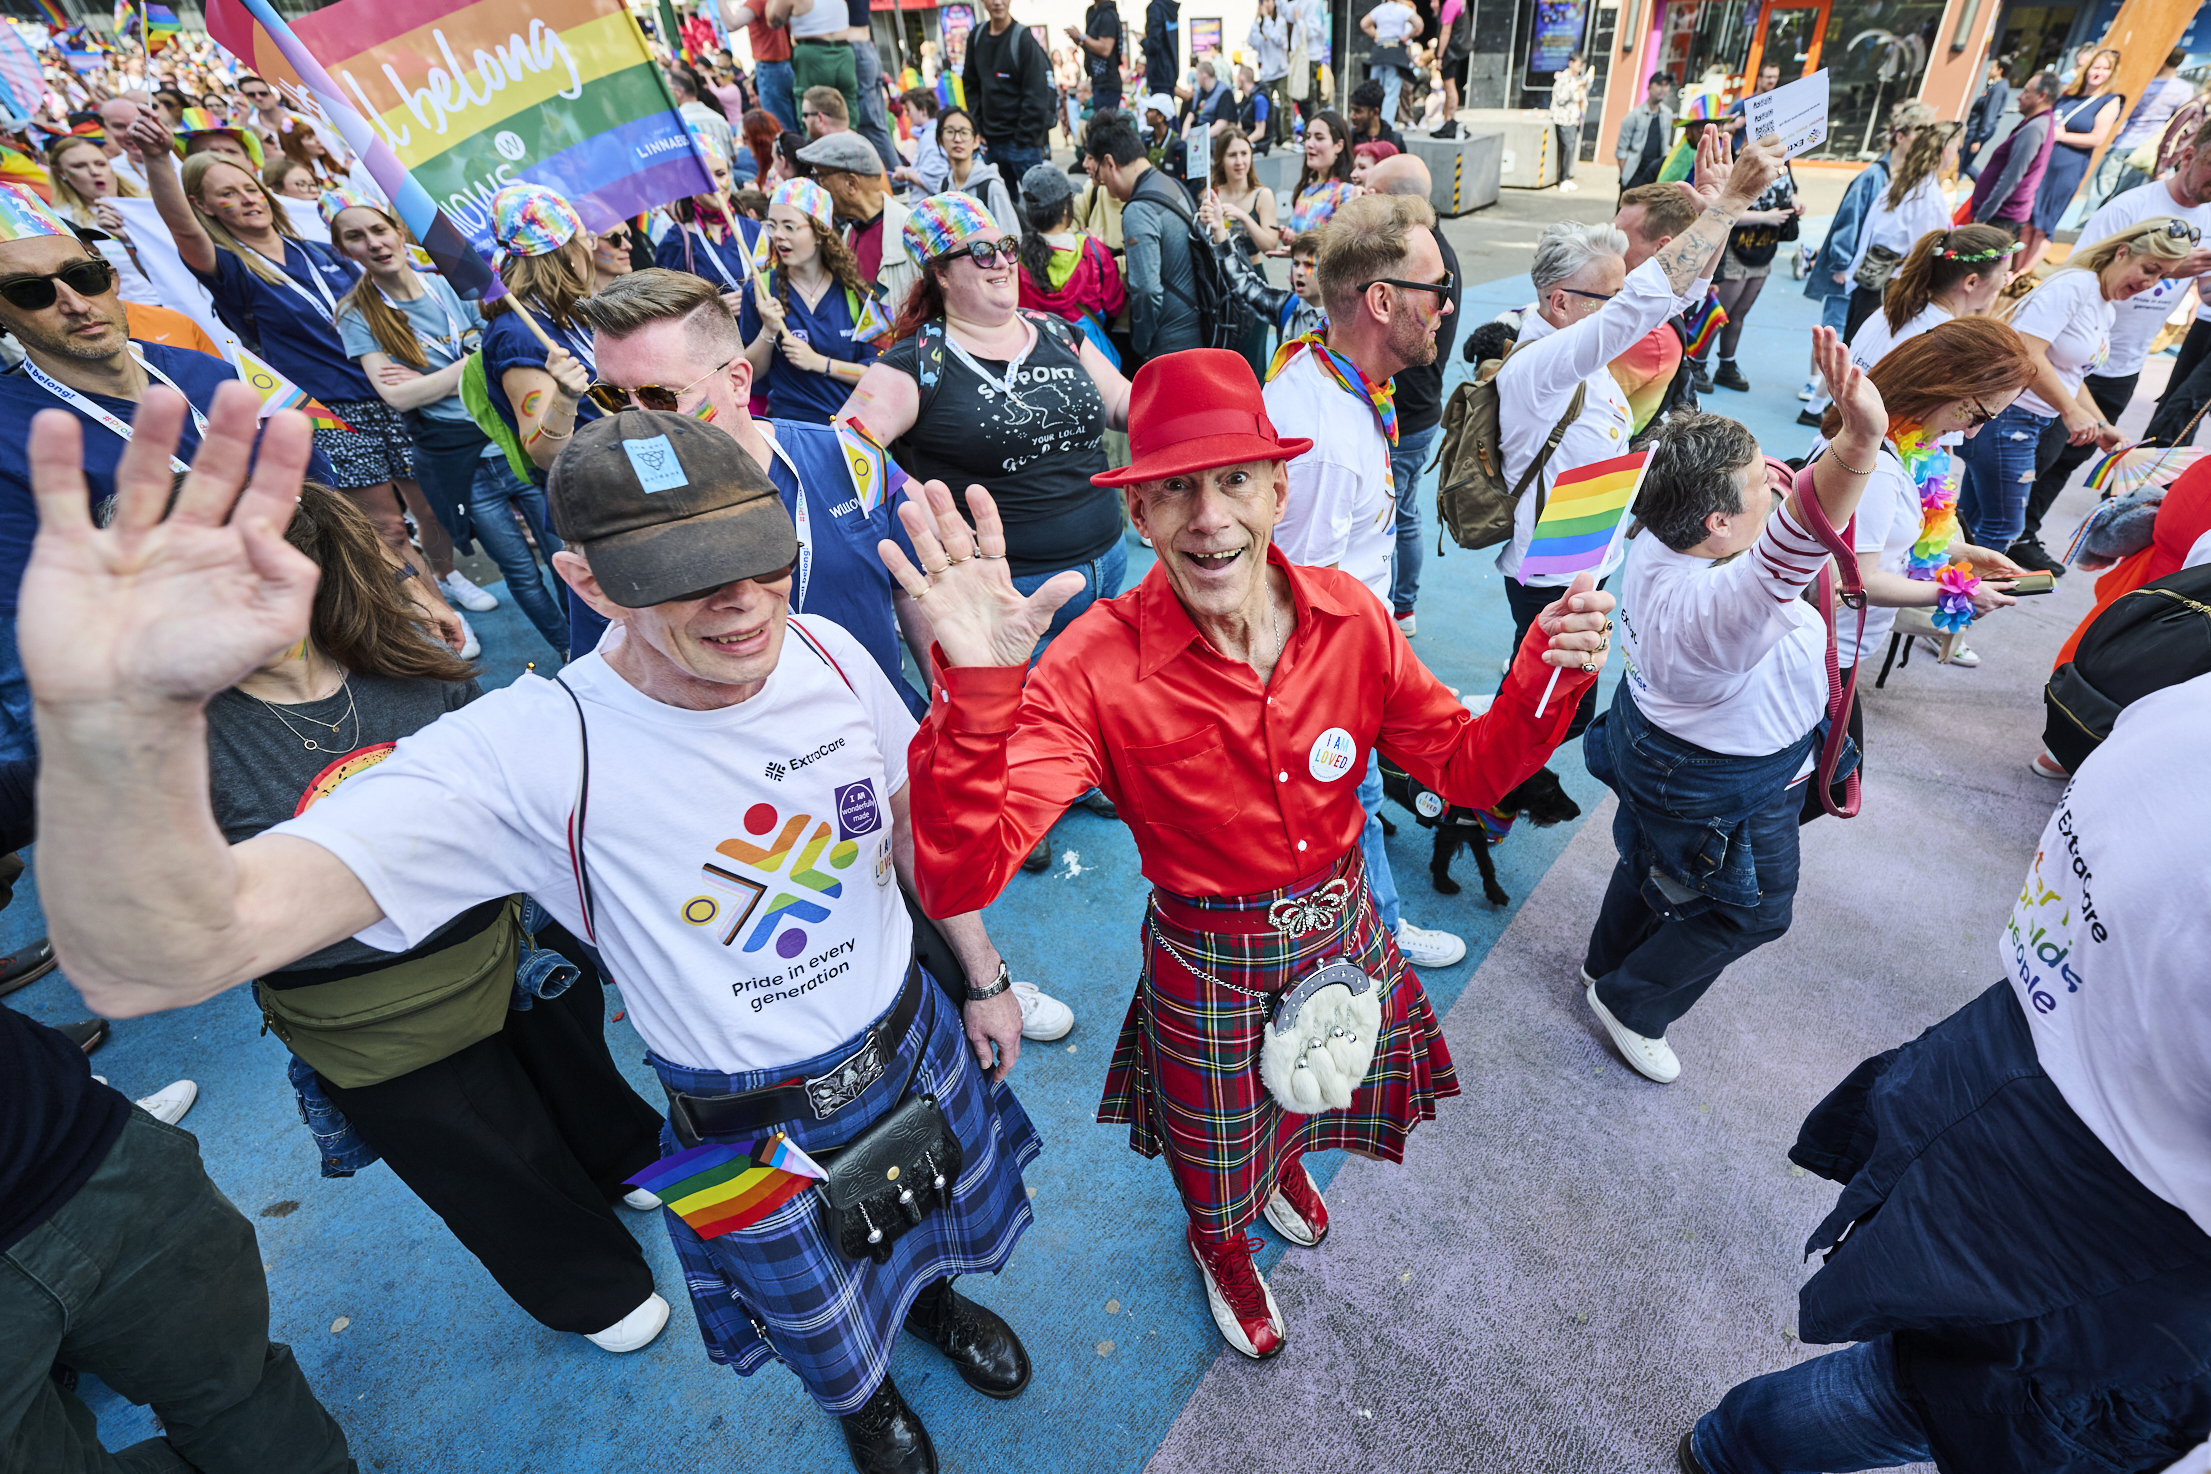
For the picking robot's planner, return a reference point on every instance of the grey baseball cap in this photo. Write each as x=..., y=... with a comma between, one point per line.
x=1045, y=191
x=846, y=152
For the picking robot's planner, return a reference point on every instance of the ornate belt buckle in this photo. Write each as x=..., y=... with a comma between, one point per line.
x=1313, y=911
x=839, y=1086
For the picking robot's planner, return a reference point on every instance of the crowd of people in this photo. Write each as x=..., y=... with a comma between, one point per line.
x=842, y=473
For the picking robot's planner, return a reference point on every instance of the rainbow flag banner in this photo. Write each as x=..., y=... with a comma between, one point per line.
x=55, y=15
x=1581, y=521
x=1704, y=325
x=162, y=27
x=456, y=100
x=720, y=1187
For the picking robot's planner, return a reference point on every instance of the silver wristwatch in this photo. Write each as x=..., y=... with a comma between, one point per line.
x=998, y=984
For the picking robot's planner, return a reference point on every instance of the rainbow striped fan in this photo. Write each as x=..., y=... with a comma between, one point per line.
x=2132, y=467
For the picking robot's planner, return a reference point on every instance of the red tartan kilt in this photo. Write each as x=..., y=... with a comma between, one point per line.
x=1185, y=1071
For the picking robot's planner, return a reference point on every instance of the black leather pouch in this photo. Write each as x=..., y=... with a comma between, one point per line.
x=891, y=1177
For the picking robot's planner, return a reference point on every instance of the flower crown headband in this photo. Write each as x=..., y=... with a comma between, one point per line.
x=1991, y=254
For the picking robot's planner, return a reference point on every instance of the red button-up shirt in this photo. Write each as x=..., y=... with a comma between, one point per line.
x=1230, y=787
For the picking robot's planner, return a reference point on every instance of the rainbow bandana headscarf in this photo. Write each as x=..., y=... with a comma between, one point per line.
x=530, y=220
x=942, y=223
x=194, y=121
x=1347, y=377
x=24, y=216
x=342, y=198
x=806, y=197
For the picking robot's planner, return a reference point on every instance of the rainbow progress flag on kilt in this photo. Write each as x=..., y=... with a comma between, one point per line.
x=719, y=1187
x=1583, y=516
x=456, y=100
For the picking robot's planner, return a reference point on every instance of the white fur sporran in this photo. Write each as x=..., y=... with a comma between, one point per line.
x=1320, y=1043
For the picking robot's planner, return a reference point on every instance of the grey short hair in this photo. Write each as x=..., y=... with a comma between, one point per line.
x=1566, y=246
x=2044, y=82
x=1692, y=475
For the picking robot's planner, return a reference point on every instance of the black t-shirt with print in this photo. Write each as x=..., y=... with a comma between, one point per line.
x=1034, y=450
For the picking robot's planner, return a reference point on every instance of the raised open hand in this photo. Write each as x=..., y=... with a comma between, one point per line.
x=1755, y=168
x=979, y=617
x=166, y=604
x=1864, y=416
x=1715, y=158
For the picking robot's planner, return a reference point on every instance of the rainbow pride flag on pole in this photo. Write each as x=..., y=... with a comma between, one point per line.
x=1704, y=325
x=161, y=28
x=1581, y=520
x=718, y=1188
x=449, y=101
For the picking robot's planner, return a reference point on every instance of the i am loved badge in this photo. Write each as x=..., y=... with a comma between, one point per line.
x=1333, y=755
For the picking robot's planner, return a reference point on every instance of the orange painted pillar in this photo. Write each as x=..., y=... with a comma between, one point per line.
x=1956, y=69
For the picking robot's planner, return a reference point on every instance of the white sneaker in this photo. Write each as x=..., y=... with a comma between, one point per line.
x=639, y=1200
x=465, y=593
x=1425, y=948
x=168, y=1104
x=471, y=647
x=1043, y=1017
x=1406, y=623
x=1568, y=186
x=633, y=1330
x=2046, y=766
x=1478, y=704
x=1964, y=655
x=1653, y=1059
x=1807, y=391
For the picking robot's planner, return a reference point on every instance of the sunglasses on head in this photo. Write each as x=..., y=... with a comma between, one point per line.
x=613, y=398
x=989, y=255
x=32, y=293
x=2181, y=230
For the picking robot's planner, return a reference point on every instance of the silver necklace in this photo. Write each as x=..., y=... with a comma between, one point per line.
x=309, y=743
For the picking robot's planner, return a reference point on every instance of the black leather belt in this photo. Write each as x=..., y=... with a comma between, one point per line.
x=696, y=1117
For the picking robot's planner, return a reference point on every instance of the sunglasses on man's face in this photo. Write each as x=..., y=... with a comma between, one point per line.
x=613, y=398
x=780, y=575
x=37, y=293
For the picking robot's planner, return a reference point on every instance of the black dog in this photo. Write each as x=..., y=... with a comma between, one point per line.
x=1542, y=800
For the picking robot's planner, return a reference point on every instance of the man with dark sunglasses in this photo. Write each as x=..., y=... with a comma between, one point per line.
x=1388, y=295
x=58, y=299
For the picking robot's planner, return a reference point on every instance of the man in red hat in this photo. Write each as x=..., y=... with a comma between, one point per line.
x=1227, y=705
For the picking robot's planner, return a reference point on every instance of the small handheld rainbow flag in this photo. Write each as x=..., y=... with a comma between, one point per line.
x=278, y=392
x=1582, y=519
x=720, y=1187
x=951, y=92
x=1704, y=325
x=162, y=27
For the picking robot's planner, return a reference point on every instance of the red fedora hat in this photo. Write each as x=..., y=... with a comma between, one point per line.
x=1192, y=411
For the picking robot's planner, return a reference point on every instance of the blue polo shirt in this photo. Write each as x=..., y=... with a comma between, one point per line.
x=509, y=343
x=292, y=326
x=793, y=393
x=21, y=397
x=690, y=250
x=847, y=583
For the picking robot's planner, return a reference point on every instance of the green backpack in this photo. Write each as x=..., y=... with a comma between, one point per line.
x=476, y=394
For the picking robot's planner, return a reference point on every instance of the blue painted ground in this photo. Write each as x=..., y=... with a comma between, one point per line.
x=430, y=1368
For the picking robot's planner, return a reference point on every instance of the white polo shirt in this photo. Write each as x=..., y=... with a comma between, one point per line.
x=1537, y=384
x=739, y=859
x=2136, y=320
x=1343, y=502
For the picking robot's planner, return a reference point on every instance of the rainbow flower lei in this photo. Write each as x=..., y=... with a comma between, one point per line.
x=1930, y=468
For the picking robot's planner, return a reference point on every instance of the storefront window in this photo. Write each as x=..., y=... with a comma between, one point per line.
x=1710, y=38
x=1873, y=62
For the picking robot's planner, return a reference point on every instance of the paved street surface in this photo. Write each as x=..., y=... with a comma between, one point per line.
x=1571, y=1265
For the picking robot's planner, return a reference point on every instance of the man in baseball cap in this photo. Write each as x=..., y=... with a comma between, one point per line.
x=845, y=164
x=715, y=798
x=1226, y=705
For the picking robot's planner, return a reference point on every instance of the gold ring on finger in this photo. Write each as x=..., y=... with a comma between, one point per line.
x=949, y=560
x=1589, y=667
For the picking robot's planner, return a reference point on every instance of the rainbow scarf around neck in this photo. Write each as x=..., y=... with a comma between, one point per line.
x=1347, y=376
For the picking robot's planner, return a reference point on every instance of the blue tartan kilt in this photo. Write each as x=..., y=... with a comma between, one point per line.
x=781, y=1290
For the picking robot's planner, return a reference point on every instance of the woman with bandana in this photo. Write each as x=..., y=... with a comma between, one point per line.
x=810, y=321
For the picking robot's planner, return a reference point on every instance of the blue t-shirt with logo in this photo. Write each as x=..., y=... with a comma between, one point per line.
x=448, y=329
x=197, y=374
x=847, y=583
x=293, y=326
x=793, y=393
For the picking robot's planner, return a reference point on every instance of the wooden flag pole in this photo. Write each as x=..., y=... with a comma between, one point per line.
x=514, y=301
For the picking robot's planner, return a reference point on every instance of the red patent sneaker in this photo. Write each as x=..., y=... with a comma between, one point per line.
x=1296, y=1209
x=1243, y=1307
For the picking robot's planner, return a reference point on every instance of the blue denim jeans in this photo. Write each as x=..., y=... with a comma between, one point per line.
x=1101, y=579
x=1393, y=82
x=489, y=496
x=1013, y=161
x=867, y=69
x=1407, y=460
x=1379, y=880
x=2000, y=470
x=1834, y=1413
x=773, y=78
x=18, y=739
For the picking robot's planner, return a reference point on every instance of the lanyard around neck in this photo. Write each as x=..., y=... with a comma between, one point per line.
x=452, y=323
x=800, y=519
x=329, y=306
x=1013, y=367
x=706, y=243
x=84, y=406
